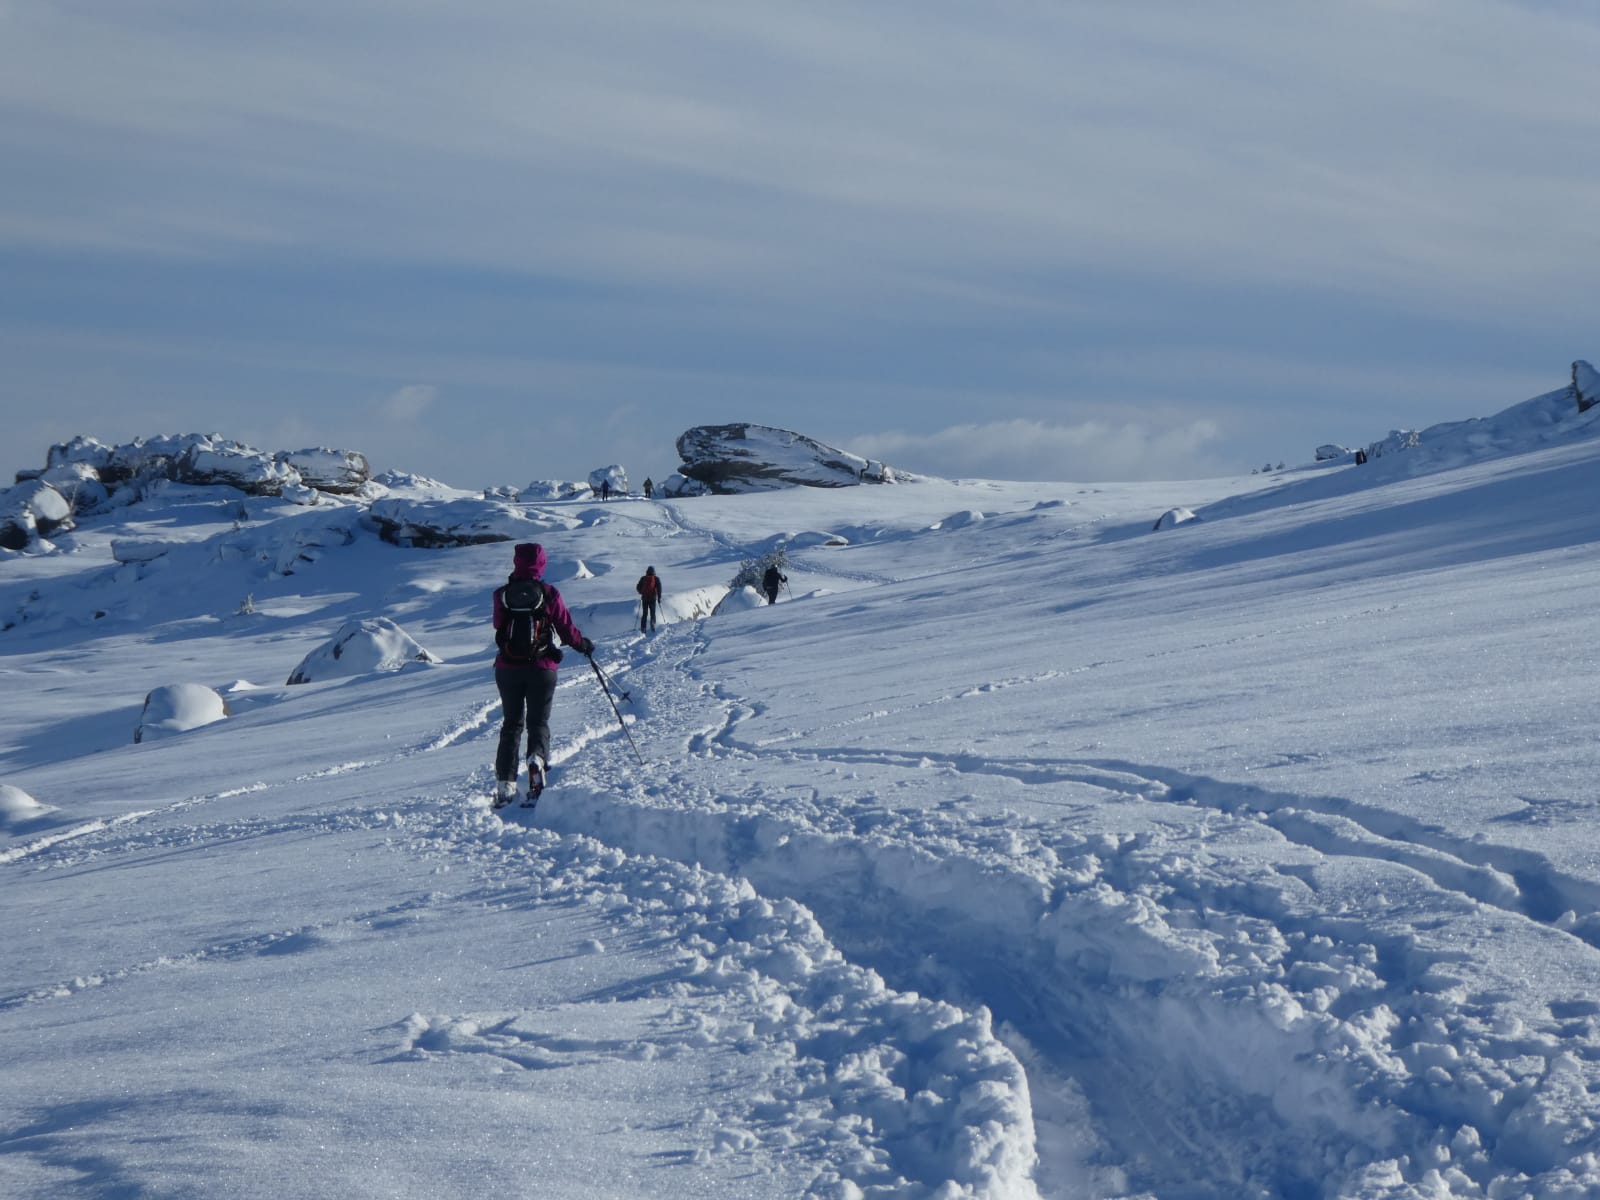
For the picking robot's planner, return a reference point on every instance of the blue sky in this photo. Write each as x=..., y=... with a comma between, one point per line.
x=505, y=240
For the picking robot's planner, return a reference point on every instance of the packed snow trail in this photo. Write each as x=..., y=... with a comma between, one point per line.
x=828, y=1060
x=1232, y=1010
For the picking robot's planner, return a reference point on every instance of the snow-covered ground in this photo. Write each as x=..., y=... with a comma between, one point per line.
x=1020, y=850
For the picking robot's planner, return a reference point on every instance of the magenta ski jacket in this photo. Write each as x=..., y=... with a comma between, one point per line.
x=528, y=563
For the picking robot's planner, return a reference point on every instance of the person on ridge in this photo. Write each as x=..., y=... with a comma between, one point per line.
x=771, y=581
x=649, y=589
x=649, y=488
x=605, y=489
x=525, y=617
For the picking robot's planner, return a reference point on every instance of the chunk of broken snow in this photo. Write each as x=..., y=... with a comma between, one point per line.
x=1174, y=516
x=16, y=805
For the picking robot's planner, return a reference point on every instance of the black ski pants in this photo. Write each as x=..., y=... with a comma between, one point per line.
x=647, y=612
x=526, y=694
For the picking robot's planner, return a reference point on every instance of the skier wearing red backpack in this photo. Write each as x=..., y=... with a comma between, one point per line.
x=649, y=589
x=527, y=614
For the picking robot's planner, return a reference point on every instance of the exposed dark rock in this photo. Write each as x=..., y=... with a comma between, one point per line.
x=32, y=509
x=1585, y=385
x=730, y=459
x=431, y=524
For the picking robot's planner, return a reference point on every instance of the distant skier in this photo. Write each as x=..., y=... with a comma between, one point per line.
x=605, y=489
x=649, y=488
x=771, y=582
x=649, y=589
x=527, y=613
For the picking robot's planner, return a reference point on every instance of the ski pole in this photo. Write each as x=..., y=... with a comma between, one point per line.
x=604, y=687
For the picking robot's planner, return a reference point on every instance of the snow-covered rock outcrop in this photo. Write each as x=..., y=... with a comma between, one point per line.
x=220, y=463
x=676, y=486
x=553, y=489
x=89, y=472
x=429, y=524
x=613, y=475
x=342, y=472
x=32, y=509
x=177, y=708
x=1330, y=451
x=362, y=647
x=79, y=484
x=1585, y=385
x=729, y=459
x=1172, y=518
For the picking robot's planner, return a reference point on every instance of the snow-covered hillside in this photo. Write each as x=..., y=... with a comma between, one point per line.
x=1019, y=850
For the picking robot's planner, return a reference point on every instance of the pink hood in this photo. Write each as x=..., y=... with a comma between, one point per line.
x=528, y=561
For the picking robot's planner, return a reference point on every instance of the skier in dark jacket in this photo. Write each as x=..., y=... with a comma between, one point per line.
x=649, y=589
x=771, y=581
x=527, y=683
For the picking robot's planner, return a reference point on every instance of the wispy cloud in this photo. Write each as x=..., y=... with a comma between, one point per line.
x=406, y=405
x=886, y=203
x=798, y=145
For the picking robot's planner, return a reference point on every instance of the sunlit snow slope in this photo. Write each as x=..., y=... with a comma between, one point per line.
x=1019, y=850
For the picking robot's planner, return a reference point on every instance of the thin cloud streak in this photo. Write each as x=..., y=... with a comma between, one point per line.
x=879, y=216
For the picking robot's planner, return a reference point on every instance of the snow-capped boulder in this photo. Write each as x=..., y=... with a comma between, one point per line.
x=730, y=459
x=80, y=450
x=739, y=599
x=223, y=463
x=1585, y=385
x=553, y=489
x=465, y=522
x=16, y=806
x=417, y=487
x=32, y=510
x=362, y=647
x=339, y=471
x=79, y=483
x=145, y=458
x=177, y=708
x=1174, y=517
x=1398, y=439
x=1331, y=451
x=613, y=475
x=299, y=493
x=677, y=486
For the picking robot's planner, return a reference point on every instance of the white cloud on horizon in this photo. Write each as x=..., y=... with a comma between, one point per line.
x=1090, y=451
x=406, y=405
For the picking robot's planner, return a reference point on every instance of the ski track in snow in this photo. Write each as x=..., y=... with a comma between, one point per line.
x=739, y=954
x=1318, y=1039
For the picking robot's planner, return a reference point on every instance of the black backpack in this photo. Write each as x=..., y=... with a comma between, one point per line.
x=526, y=637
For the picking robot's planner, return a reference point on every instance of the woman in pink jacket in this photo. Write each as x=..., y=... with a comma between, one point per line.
x=528, y=613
